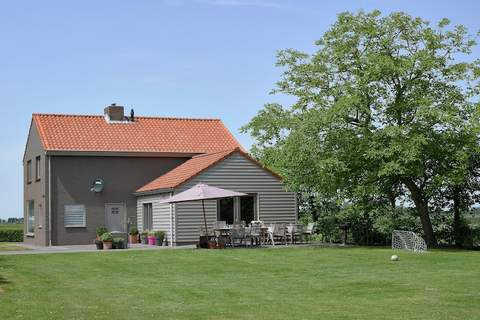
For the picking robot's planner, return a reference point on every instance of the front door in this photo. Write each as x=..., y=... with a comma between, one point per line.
x=116, y=217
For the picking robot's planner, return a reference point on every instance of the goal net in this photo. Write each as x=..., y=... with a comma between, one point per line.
x=408, y=240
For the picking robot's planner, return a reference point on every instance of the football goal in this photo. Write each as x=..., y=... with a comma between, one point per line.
x=408, y=240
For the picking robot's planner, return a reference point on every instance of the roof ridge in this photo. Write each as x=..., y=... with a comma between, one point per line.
x=138, y=117
x=214, y=153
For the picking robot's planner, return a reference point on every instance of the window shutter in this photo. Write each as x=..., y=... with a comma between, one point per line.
x=74, y=216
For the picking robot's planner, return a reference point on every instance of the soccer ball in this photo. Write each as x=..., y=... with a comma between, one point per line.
x=394, y=257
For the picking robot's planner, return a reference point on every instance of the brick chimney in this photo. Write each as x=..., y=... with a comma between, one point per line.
x=114, y=112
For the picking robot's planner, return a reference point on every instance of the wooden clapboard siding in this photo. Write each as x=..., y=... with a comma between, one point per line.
x=160, y=212
x=238, y=173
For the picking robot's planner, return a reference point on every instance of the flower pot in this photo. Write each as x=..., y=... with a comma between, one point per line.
x=158, y=241
x=144, y=239
x=133, y=238
x=212, y=245
x=151, y=241
x=99, y=244
x=107, y=245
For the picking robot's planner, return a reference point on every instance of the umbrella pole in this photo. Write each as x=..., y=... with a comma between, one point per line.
x=205, y=219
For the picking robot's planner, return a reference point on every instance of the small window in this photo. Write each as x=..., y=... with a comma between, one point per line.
x=31, y=218
x=147, y=216
x=37, y=168
x=29, y=171
x=74, y=216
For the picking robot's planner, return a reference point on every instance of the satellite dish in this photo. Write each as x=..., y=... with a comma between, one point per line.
x=97, y=185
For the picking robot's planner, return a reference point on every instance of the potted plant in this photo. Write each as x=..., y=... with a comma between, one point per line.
x=133, y=235
x=99, y=244
x=118, y=243
x=159, y=236
x=151, y=238
x=107, y=240
x=144, y=237
x=100, y=231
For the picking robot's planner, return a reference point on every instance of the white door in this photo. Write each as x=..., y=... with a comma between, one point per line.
x=116, y=217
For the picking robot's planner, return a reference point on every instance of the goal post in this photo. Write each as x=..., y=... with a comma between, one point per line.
x=408, y=240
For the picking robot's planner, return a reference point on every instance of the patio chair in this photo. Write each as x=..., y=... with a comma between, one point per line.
x=297, y=235
x=253, y=236
x=270, y=231
x=279, y=232
x=308, y=231
x=237, y=233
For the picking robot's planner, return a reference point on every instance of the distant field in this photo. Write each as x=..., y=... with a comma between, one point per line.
x=473, y=219
x=9, y=226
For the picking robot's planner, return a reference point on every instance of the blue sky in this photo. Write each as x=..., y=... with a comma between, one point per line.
x=204, y=58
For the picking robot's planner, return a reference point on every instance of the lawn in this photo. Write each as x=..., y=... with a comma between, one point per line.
x=11, y=246
x=307, y=283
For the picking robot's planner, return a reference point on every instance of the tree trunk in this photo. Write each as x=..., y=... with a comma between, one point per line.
x=457, y=233
x=422, y=209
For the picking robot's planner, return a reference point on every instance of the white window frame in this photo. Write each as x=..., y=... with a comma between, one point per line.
x=77, y=206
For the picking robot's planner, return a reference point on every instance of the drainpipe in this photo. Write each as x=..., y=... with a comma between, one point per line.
x=171, y=222
x=49, y=202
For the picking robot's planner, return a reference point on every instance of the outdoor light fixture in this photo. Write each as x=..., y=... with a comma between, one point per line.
x=97, y=185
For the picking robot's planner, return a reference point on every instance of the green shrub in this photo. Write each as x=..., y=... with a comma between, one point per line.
x=101, y=230
x=133, y=232
x=11, y=235
x=107, y=237
x=160, y=234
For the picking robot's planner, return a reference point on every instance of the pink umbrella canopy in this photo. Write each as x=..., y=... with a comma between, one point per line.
x=203, y=192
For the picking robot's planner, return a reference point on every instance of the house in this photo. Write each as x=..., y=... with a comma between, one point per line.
x=86, y=171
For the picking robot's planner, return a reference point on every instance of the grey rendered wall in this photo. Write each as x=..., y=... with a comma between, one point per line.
x=239, y=174
x=160, y=213
x=36, y=190
x=72, y=177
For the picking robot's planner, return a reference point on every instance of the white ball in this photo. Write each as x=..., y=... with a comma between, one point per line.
x=394, y=257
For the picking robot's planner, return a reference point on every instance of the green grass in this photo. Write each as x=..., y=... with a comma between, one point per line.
x=306, y=283
x=10, y=226
x=11, y=246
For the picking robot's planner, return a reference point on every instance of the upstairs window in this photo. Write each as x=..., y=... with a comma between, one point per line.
x=29, y=171
x=37, y=168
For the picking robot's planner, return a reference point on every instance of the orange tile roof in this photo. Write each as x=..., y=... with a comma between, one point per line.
x=146, y=134
x=185, y=171
x=192, y=168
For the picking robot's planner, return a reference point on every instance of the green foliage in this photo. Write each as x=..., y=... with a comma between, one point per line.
x=101, y=230
x=133, y=231
x=11, y=235
x=159, y=234
x=106, y=237
x=385, y=111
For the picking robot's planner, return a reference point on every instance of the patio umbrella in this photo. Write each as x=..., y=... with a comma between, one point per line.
x=203, y=192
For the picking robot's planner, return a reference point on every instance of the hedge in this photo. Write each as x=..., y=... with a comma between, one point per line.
x=11, y=235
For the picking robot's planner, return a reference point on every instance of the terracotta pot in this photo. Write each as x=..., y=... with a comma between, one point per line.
x=107, y=245
x=133, y=238
x=151, y=241
x=212, y=245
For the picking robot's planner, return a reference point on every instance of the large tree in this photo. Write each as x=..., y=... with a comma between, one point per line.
x=374, y=107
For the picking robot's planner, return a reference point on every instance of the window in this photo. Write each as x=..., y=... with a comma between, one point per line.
x=247, y=208
x=37, y=168
x=225, y=210
x=31, y=217
x=29, y=171
x=147, y=216
x=74, y=216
